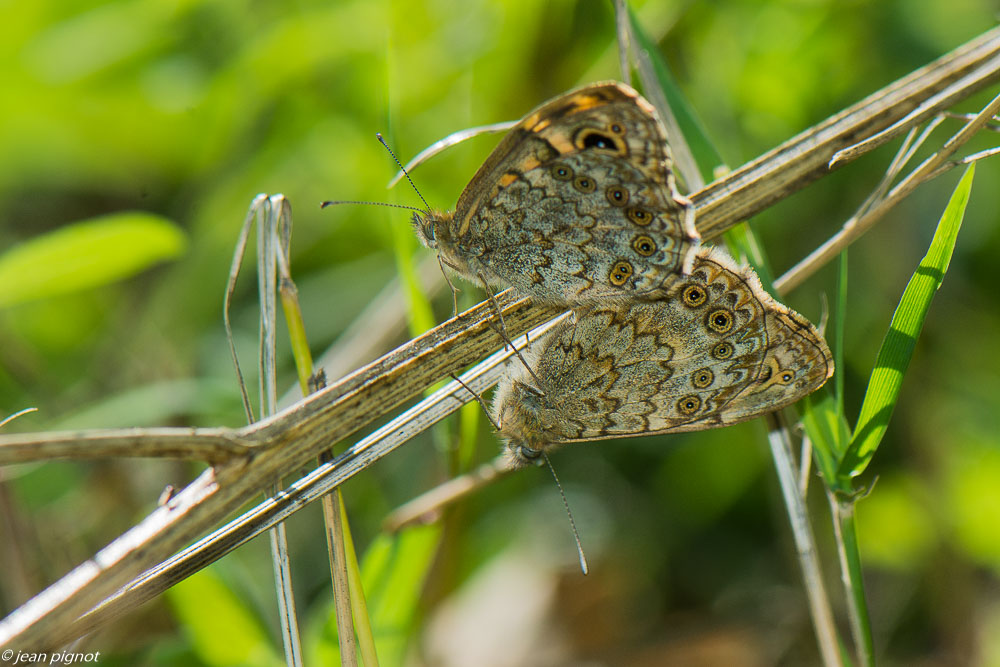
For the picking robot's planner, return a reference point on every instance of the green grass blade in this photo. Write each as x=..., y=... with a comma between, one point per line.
x=829, y=434
x=393, y=572
x=220, y=627
x=823, y=415
x=897, y=347
x=87, y=254
x=840, y=324
x=702, y=148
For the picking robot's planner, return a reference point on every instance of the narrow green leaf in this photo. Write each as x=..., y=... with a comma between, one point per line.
x=823, y=415
x=221, y=629
x=421, y=312
x=86, y=254
x=897, y=347
x=702, y=148
x=393, y=572
x=829, y=435
x=742, y=241
x=840, y=325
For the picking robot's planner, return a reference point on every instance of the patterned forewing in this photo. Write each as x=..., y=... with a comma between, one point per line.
x=582, y=228
x=576, y=204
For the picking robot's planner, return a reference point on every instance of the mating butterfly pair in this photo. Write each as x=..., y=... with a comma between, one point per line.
x=578, y=206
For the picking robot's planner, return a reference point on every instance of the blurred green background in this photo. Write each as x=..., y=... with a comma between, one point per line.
x=185, y=110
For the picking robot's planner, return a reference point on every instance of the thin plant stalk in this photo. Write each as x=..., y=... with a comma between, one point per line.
x=849, y=553
x=446, y=143
x=805, y=543
x=429, y=505
x=9, y=418
x=339, y=544
x=359, y=605
x=272, y=215
x=338, y=570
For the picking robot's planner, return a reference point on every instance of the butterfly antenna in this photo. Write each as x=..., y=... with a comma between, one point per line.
x=479, y=398
x=370, y=203
x=572, y=524
x=403, y=169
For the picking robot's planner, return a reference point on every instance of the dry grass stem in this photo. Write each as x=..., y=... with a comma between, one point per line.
x=212, y=445
x=873, y=211
x=804, y=158
x=281, y=443
x=805, y=542
x=309, y=488
x=428, y=506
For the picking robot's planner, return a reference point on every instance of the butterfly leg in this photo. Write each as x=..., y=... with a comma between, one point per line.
x=502, y=330
x=688, y=222
x=479, y=398
x=454, y=290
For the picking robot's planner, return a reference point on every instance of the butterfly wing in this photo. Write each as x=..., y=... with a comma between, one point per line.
x=715, y=351
x=578, y=202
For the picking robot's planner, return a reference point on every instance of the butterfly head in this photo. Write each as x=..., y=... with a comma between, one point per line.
x=521, y=455
x=517, y=409
x=433, y=227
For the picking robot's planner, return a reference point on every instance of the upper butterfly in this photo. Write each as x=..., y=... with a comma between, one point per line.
x=715, y=350
x=576, y=204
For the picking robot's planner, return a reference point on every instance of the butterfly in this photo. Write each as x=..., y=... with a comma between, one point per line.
x=576, y=205
x=714, y=350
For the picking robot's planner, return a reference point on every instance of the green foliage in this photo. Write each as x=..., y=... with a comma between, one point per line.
x=184, y=111
x=222, y=631
x=86, y=254
x=393, y=572
x=842, y=456
x=900, y=341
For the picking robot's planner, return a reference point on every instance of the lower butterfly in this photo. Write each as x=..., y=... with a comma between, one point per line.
x=715, y=350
